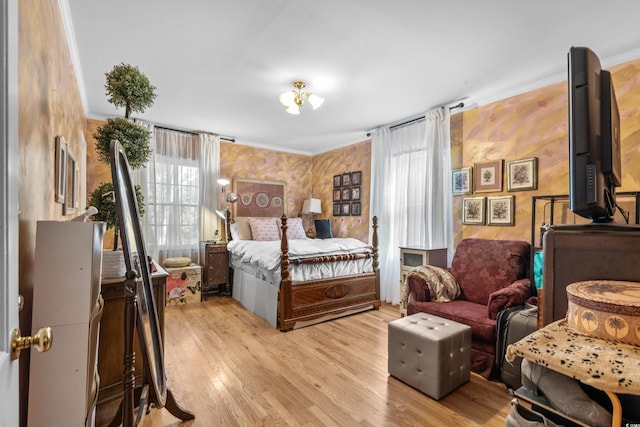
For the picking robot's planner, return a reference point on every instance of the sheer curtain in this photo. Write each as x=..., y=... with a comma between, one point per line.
x=411, y=192
x=209, y=174
x=171, y=186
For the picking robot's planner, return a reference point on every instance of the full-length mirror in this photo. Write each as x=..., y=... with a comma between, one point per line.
x=136, y=260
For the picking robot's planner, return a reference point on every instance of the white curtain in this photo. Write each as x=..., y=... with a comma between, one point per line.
x=411, y=192
x=140, y=178
x=171, y=186
x=209, y=174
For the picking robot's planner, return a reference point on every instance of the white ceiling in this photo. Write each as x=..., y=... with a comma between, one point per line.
x=220, y=65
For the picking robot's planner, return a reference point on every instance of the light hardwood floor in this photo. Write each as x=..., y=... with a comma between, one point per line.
x=232, y=368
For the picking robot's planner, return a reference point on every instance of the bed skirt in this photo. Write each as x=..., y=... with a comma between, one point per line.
x=256, y=295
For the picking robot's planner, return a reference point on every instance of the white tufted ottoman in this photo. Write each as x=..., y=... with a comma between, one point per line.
x=430, y=353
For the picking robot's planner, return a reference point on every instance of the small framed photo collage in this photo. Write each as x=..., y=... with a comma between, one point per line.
x=346, y=194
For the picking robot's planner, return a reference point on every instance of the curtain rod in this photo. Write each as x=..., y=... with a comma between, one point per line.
x=224, y=138
x=417, y=119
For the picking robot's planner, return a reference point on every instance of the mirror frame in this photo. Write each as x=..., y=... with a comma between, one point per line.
x=135, y=256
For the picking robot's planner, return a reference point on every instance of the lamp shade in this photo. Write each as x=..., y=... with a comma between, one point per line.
x=311, y=206
x=315, y=100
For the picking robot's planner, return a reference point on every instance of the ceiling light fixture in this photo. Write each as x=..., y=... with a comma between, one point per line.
x=294, y=99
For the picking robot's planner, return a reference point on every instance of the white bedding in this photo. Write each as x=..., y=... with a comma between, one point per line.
x=262, y=259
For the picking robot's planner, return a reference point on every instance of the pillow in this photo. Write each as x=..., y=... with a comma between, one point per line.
x=244, y=230
x=264, y=229
x=235, y=233
x=295, y=230
x=323, y=228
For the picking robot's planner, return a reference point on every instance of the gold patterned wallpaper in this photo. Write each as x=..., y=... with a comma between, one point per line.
x=49, y=105
x=245, y=162
x=535, y=124
x=355, y=157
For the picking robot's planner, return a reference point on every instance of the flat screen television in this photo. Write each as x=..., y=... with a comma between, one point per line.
x=594, y=138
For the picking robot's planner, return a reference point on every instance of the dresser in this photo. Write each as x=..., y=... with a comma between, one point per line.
x=216, y=271
x=111, y=348
x=64, y=381
x=415, y=256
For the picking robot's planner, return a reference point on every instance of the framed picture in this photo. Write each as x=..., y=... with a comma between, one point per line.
x=473, y=209
x=337, y=209
x=345, y=209
x=337, y=181
x=346, y=179
x=355, y=208
x=336, y=194
x=500, y=210
x=346, y=194
x=260, y=198
x=355, y=193
x=70, y=194
x=356, y=178
x=522, y=174
x=487, y=176
x=61, y=168
x=462, y=181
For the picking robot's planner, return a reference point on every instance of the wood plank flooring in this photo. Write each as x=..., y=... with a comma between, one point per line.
x=232, y=368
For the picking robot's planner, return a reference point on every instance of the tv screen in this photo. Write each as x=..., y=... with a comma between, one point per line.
x=594, y=137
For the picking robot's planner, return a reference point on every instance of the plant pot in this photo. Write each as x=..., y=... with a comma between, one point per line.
x=113, y=266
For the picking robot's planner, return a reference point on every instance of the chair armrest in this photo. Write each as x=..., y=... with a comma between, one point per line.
x=512, y=295
x=418, y=289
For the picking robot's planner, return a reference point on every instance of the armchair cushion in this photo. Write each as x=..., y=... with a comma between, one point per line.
x=514, y=294
x=483, y=266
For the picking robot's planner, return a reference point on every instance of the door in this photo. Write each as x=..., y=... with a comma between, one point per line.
x=8, y=210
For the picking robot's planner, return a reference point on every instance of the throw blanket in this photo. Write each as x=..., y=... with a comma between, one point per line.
x=442, y=285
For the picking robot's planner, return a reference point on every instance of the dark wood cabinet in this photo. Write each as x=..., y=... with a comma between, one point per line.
x=111, y=344
x=216, y=273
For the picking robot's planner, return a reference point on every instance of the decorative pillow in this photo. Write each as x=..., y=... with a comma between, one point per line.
x=235, y=233
x=323, y=228
x=295, y=230
x=176, y=262
x=264, y=229
x=244, y=230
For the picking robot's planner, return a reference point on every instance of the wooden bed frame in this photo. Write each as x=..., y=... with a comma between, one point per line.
x=305, y=303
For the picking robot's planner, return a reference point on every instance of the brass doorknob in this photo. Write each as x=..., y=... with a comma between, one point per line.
x=41, y=341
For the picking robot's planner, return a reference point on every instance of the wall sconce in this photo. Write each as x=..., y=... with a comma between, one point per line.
x=311, y=207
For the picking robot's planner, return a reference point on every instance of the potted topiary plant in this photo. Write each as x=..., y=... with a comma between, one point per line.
x=126, y=86
x=103, y=199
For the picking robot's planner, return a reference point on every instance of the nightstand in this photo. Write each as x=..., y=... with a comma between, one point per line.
x=411, y=257
x=216, y=270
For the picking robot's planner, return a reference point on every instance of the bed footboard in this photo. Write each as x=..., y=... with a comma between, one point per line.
x=305, y=303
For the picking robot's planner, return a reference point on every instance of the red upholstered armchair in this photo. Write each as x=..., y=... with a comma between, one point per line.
x=492, y=275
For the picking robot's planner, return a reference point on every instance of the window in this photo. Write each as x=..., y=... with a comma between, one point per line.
x=174, y=212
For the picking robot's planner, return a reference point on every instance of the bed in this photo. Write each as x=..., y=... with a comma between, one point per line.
x=293, y=283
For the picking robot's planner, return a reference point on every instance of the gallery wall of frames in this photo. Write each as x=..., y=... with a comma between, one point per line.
x=487, y=177
x=346, y=194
